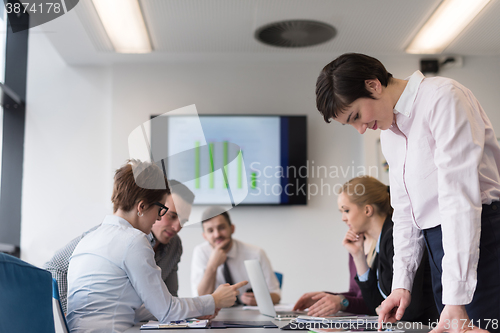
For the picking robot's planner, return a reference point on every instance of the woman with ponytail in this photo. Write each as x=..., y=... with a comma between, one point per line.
x=365, y=206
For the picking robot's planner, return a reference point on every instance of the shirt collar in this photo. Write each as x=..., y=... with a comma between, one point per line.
x=405, y=102
x=377, y=248
x=116, y=220
x=151, y=238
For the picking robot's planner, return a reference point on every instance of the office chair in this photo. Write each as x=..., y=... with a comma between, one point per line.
x=61, y=326
x=26, y=297
x=279, y=276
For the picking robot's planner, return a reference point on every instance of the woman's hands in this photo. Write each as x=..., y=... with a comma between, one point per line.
x=305, y=301
x=454, y=319
x=354, y=243
x=394, y=306
x=326, y=304
x=225, y=295
x=210, y=317
x=320, y=304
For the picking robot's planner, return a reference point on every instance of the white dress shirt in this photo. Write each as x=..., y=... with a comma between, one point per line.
x=443, y=165
x=236, y=263
x=112, y=273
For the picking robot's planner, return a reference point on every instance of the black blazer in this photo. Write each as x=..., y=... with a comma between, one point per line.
x=422, y=307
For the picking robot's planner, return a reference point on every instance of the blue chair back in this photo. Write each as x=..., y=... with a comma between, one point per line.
x=25, y=297
x=61, y=326
x=279, y=276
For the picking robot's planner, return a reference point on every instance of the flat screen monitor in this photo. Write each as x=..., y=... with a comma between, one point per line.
x=238, y=159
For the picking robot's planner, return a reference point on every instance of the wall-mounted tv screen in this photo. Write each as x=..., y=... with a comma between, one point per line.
x=236, y=159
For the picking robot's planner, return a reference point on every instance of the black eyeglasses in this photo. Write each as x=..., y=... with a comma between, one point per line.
x=163, y=209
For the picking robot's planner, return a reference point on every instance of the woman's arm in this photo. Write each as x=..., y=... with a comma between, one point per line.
x=145, y=277
x=408, y=240
x=369, y=289
x=357, y=304
x=354, y=244
x=458, y=129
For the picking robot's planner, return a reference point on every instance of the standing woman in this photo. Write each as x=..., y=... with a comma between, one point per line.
x=112, y=271
x=443, y=160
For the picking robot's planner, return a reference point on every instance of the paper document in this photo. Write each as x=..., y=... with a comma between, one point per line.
x=152, y=324
x=340, y=319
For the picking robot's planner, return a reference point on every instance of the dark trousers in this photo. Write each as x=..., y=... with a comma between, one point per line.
x=485, y=304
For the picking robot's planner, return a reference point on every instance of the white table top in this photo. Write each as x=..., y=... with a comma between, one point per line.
x=237, y=313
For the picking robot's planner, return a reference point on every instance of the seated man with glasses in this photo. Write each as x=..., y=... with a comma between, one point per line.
x=164, y=240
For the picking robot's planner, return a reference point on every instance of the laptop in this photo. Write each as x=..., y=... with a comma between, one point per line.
x=261, y=293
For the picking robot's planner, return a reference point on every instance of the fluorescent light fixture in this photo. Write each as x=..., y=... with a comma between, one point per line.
x=124, y=24
x=447, y=22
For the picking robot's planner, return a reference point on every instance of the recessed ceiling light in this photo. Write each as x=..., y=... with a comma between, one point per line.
x=124, y=24
x=447, y=22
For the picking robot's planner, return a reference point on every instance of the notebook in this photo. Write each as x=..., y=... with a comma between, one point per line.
x=261, y=293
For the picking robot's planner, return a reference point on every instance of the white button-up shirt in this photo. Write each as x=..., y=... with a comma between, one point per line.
x=112, y=273
x=236, y=257
x=443, y=161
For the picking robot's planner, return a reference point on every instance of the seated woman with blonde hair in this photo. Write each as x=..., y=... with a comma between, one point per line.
x=365, y=206
x=112, y=271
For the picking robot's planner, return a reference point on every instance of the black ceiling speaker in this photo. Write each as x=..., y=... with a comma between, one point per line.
x=295, y=33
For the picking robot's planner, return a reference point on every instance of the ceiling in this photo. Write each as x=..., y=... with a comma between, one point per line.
x=211, y=29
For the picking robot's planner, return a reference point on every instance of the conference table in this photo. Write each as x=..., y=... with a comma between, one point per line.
x=237, y=313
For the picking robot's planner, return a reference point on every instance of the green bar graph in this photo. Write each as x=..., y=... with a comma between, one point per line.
x=211, y=166
x=197, y=164
x=240, y=169
x=253, y=182
x=226, y=162
x=211, y=182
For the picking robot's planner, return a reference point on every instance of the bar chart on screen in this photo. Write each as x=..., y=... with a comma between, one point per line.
x=228, y=159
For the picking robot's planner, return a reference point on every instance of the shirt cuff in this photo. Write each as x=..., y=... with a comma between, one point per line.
x=364, y=277
x=208, y=303
x=457, y=292
x=403, y=280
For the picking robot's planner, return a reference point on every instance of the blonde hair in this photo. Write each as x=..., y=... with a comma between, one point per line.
x=366, y=190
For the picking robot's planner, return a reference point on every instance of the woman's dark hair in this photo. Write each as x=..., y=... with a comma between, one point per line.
x=138, y=181
x=342, y=81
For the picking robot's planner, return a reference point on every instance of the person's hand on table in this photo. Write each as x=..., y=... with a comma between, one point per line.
x=454, y=319
x=305, y=301
x=210, y=317
x=248, y=298
x=394, y=306
x=326, y=304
